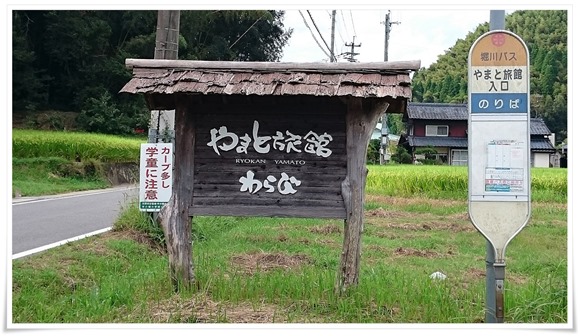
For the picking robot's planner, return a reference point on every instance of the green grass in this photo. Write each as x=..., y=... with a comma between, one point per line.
x=451, y=182
x=53, y=175
x=47, y=162
x=273, y=270
x=284, y=270
x=73, y=146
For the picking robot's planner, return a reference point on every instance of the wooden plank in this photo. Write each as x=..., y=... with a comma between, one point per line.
x=313, y=78
x=282, y=118
x=231, y=179
x=232, y=192
x=352, y=78
x=327, y=90
x=279, y=201
x=331, y=79
x=268, y=211
x=276, y=66
x=192, y=76
x=149, y=73
x=315, y=167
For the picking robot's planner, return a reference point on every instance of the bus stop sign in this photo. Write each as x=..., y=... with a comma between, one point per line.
x=499, y=137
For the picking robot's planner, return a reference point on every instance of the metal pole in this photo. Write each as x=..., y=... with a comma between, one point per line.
x=387, y=28
x=384, y=145
x=332, y=57
x=493, y=312
x=499, y=270
x=496, y=20
x=489, y=285
x=384, y=117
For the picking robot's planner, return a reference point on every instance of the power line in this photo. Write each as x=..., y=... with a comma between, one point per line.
x=352, y=20
x=339, y=33
x=312, y=33
x=344, y=22
x=315, y=26
x=247, y=30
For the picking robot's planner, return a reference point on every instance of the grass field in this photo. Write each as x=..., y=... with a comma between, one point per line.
x=272, y=270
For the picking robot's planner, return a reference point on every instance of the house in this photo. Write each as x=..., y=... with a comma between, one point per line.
x=444, y=128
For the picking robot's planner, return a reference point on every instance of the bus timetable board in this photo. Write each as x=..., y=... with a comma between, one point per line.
x=499, y=137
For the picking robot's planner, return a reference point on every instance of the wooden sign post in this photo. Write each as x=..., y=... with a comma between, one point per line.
x=270, y=139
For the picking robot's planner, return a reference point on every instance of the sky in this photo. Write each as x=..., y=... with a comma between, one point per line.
x=419, y=34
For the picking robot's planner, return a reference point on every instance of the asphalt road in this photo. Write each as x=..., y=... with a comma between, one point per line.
x=45, y=220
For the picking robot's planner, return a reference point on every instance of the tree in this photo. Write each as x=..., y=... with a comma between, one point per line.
x=234, y=35
x=66, y=60
x=30, y=86
x=544, y=32
x=395, y=123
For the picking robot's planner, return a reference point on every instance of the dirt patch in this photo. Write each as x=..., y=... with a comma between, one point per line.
x=325, y=229
x=464, y=216
x=263, y=262
x=400, y=201
x=476, y=273
x=139, y=237
x=420, y=225
x=201, y=309
x=406, y=251
x=380, y=212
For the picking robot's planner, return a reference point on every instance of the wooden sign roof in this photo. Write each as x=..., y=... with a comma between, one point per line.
x=372, y=80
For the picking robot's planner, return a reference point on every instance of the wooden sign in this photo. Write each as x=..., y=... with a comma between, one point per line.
x=270, y=139
x=270, y=160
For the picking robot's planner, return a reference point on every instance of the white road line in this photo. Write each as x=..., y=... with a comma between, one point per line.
x=79, y=194
x=62, y=242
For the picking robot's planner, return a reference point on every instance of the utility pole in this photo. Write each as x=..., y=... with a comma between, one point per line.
x=388, y=25
x=384, y=148
x=166, y=47
x=352, y=54
x=332, y=57
x=167, y=34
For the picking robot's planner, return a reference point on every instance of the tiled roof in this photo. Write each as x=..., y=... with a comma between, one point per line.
x=542, y=145
x=437, y=141
x=536, y=145
x=437, y=111
x=538, y=127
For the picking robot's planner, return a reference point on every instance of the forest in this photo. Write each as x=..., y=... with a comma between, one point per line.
x=545, y=34
x=75, y=60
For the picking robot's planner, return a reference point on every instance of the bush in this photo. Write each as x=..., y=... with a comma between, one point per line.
x=103, y=115
x=429, y=156
x=401, y=155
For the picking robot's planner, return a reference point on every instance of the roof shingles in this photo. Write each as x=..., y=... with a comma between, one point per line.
x=377, y=80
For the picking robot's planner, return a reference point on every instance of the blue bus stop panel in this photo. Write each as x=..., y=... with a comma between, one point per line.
x=499, y=103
